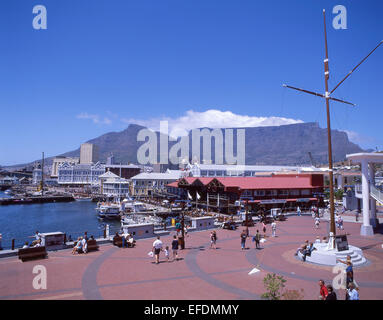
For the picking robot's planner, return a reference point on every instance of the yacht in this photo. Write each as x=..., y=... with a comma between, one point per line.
x=109, y=210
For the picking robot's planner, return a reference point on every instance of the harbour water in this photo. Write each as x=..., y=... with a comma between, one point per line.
x=73, y=218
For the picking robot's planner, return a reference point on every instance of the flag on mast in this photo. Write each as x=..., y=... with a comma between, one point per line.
x=189, y=196
x=198, y=196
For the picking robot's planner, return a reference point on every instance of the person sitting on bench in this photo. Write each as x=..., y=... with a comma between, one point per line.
x=26, y=245
x=308, y=251
x=302, y=248
x=78, y=247
x=38, y=244
x=130, y=241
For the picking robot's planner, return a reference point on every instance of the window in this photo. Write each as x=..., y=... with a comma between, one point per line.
x=305, y=192
x=259, y=193
x=284, y=192
x=271, y=192
x=294, y=192
x=246, y=193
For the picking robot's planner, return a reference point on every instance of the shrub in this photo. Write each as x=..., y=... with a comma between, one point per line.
x=274, y=285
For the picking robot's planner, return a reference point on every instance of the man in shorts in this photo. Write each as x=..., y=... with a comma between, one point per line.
x=157, y=247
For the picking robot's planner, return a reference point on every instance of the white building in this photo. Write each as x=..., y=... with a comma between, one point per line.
x=57, y=161
x=112, y=185
x=80, y=174
x=219, y=170
x=8, y=181
x=146, y=183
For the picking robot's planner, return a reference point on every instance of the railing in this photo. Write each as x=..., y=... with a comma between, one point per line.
x=376, y=194
x=17, y=243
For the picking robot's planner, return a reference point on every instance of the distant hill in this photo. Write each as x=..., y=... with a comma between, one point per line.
x=279, y=145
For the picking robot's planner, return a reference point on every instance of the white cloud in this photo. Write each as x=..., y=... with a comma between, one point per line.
x=94, y=117
x=362, y=140
x=211, y=119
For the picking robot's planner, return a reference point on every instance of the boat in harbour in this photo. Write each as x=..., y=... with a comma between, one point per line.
x=109, y=210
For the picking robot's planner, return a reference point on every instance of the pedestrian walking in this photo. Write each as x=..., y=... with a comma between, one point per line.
x=264, y=229
x=298, y=211
x=175, y=248
x=257, y=239
x=167, y=252
x=213, y=240
x=243, y=239
x=331, y=294
x=323, y=293
x=274, y=228
x=317, y=222
x=157, y=247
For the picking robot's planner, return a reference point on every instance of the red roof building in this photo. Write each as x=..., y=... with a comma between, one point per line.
x=287, y=190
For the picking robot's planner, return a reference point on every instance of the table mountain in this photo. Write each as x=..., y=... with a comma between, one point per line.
x=279, y=145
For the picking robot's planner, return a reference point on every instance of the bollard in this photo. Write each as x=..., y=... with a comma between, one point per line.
x=13, y=244
x=104, y=232
x=64, y=238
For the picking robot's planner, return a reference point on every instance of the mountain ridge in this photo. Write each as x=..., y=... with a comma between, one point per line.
x=271, y=145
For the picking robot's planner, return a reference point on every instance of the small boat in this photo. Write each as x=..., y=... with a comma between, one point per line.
x=109, y=210
x=83, y=198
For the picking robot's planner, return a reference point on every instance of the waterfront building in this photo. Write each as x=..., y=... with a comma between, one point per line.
x=111, y=185
x=126, y=171
x=6, y=182
x=219, y=170
x=80, y=174
x=149, y=183
x=88, y=153
x=57, y=161
x=286, y=191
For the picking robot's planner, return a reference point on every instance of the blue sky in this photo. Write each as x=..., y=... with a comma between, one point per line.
x=103, y=64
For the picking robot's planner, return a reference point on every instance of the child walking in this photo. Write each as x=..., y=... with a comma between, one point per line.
x=167, y=253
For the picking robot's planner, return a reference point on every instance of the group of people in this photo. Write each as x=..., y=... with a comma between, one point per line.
x=352, y=290
x=38, y=242
x=158, y=247
x=306, y=249
x=328, y=293
x=127, y=240
x=81, y=245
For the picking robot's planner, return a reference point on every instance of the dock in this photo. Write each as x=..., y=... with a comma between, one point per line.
x=35, y=199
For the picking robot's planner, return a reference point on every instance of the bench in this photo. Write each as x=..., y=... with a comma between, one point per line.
x=92, y=245
x=32, y=253
x=117, y=241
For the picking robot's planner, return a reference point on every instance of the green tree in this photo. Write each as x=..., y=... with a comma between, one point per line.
x=339, y=194
x=274, y=285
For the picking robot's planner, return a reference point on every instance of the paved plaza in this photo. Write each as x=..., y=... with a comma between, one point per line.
x=202, y=273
